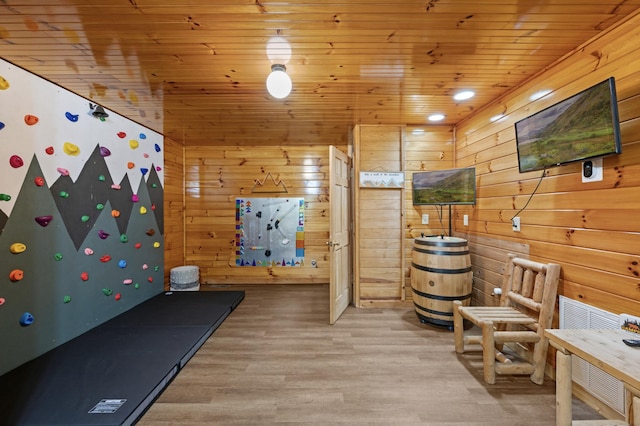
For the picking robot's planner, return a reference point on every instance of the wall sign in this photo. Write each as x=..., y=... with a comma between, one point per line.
x=392, y=180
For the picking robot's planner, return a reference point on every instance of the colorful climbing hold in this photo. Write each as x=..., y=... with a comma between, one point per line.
x=157, y=147
x=17, y=248
x=135, y=198
x=115, y=213
x=158, y=168
x=5, y=197
x=154, y=185
x=1, y=125
x=63, y=171
x=64, y=194
x=150, y=279
x=118, y=296
x=133, y=144
x=142, y=136
x=4, y=84
x=101, y=178
x=144, y=171
x=143, y=210
x=156, y=244
x=71, y=149
x=30, y=120
x=99, y=206
x=71, y=117
x=84, y=276
x=104, y=151
x=156, y=268
x=145, y=155
x=138, y=245
x=122, y=264
x=15, y=161
x=128, y=281
x=57, y=257
x=150, y=232
x=88, y=251
x=43, y=220
x=124, y=238
x=26, y=319
x=103, y=235
x=2, y=300
x=66, y=299
x=105, y=258
x=136, y=285
x=49, y=150
x=145, y=267
x=85, y=218
x=114, y=186
x=122, y=135
x=16, y=275
x=107, y=291
x=131, y=165
x=153, y=207
x=39, y=181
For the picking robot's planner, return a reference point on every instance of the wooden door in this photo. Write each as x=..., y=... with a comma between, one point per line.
x=339, y=233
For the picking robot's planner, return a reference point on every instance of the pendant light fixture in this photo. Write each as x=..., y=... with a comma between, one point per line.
x=278, y=82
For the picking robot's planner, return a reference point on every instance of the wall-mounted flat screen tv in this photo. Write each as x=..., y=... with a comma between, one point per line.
x=439, y=187
x=584, y=126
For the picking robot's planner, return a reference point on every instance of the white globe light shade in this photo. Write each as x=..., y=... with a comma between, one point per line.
x=279, y=83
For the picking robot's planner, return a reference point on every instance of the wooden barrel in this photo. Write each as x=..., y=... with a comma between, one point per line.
x=440, y=273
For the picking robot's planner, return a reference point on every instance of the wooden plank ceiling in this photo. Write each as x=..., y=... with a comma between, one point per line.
x=195, y=70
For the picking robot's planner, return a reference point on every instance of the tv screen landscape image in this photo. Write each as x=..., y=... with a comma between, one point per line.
x=439, y=187
x=583, y=126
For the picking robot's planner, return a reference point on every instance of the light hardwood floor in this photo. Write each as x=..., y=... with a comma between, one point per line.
x=276, y=360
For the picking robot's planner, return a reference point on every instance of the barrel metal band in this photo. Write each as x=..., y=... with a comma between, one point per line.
x=441, y=243
x=441, y=253
x=432, y=311
x=440, y=270
x=437, y=297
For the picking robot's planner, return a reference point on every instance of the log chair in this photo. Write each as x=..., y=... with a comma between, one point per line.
x=526, y=309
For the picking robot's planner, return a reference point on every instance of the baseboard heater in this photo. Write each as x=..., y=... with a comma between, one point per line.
x=603, y=386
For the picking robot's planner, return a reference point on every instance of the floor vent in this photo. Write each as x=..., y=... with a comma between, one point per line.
x=606, y=388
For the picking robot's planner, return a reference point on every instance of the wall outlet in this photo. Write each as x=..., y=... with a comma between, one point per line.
x=515, y=224
x=465, y=220
x=425, y=219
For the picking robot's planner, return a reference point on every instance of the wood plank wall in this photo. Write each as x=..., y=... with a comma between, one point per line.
x=216, y=176
x=426, y=148
x=591, y=229
x=173, y=207
x=378, y=217
x=386, y=222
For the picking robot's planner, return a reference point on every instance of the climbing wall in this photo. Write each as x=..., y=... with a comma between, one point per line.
x=81, y=219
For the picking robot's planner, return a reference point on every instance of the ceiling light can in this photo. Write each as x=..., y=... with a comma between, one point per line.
x=464, y=95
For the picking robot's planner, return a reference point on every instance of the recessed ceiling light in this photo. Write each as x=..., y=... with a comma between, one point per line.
x=464, y=95
x=497, y=117
x=538, y=95
x=436, y=117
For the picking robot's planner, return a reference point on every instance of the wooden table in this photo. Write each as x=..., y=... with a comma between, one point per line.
x=605, y=350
